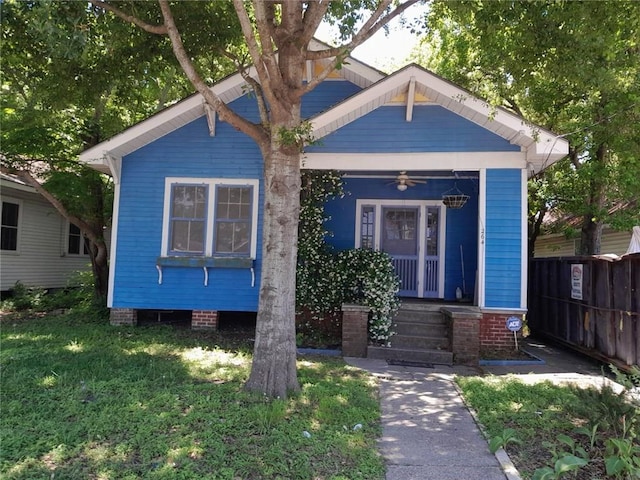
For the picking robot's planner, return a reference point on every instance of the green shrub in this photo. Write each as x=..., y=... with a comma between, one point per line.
x=325, y=280
x=78, y=296
x=22, y=297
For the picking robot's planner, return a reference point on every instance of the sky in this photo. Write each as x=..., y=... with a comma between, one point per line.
x=385, y=52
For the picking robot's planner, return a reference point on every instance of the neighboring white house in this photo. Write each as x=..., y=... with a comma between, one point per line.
x=38, y=247
x=558, y=245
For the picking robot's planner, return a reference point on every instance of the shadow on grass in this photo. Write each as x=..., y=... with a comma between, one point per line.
x=81, y=399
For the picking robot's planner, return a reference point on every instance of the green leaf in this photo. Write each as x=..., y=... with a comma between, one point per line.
x=613, y=465
x=569, y=463
x=544, y=473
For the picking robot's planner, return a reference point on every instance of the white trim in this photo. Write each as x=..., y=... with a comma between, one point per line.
x=211, y=119
x=542, y=147
x=6, y=183
x=524, y=235
x=411, y=94
x=115, y=166
x=413, y=161
x=503, y=310
x=20, y=204
x=378, y=204
x=211, y=183
x=482, y=222
x=114, y=244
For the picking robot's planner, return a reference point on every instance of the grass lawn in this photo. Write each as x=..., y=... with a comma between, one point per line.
x=542, y=424
x=83, y=400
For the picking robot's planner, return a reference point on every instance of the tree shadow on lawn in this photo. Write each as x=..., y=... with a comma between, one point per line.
x=83, y=399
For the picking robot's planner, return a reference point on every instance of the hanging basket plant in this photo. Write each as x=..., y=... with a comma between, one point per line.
x=454, y=198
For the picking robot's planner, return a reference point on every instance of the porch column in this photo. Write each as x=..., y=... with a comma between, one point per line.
x=355, y=332
x=465, y=333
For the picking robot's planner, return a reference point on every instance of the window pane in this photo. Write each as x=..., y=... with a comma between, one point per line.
x=74, y=240
x=189, y=201
x=9, y=231
x=233, y=237
x=367, y=227
x=233, y=220
x=74, y=244
x=188, y=218
x=9, y=239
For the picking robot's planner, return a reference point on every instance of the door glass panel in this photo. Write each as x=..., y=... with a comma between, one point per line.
x=399, y=231
x=432, y=231
x=367, y=227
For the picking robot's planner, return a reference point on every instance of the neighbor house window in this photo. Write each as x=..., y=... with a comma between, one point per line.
x=77, y=241
x=188, y=218
x=210, y=217
x=10, y=217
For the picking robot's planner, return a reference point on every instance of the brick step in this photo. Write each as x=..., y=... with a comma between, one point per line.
x=411, y=355
x=419, y=342
x=414, y=328
x=419, y=317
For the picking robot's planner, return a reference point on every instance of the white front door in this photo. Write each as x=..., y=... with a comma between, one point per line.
x=412, y=233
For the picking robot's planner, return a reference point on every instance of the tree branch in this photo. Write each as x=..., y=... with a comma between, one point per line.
x=312, y=18
x=375, y=22
x=225, y=113
x=157, y=29
x=265, y=65
x=30, y=180
x=371, y=27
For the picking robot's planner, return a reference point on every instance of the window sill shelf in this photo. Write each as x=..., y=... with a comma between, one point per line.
x=209, y=262
x=205, y=263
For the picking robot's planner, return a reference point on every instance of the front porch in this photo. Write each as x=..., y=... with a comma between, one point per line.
x=430, y=332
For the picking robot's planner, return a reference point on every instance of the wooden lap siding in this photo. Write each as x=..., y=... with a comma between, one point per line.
x=433, y=129
x=189, y=152
x=503, y=247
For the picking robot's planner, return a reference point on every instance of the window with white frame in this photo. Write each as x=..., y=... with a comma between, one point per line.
x=76, y=242
x=210, y=217
x=10, y=223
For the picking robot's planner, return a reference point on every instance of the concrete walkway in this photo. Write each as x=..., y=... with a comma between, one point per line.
x=428, y=432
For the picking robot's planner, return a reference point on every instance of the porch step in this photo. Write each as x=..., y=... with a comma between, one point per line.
x=415, y=328
x=424, y=342
x=411, y=355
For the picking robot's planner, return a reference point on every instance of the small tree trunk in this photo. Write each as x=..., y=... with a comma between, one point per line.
x=273, y=371
x=100, y=268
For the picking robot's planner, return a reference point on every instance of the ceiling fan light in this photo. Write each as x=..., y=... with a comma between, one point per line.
x=402, y=187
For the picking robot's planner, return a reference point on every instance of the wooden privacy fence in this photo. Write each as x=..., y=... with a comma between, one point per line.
x=592, y=303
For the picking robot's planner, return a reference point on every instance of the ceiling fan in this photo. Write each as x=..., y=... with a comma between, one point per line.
x=403, y=181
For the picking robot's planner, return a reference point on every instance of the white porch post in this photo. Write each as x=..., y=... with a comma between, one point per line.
x=525, y=243
x=482, y=216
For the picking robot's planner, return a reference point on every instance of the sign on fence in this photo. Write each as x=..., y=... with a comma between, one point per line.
x=576, y=281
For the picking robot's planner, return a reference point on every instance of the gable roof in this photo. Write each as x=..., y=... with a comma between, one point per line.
x=191, y=108
x=411, y=84
x=414, y=84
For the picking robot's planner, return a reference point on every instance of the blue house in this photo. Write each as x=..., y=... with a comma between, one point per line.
x=437, y=178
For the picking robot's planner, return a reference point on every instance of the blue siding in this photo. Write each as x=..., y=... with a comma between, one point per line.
x=433, y=129
x=503, y=247
x=462, y=224
x=190, y=152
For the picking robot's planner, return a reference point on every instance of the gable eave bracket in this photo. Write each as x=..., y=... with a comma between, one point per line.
x=211, y=119
x=115, y=164
x=411, y=97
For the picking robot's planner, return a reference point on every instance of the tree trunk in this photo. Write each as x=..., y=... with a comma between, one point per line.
x=592, y=224
x=273, y=371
